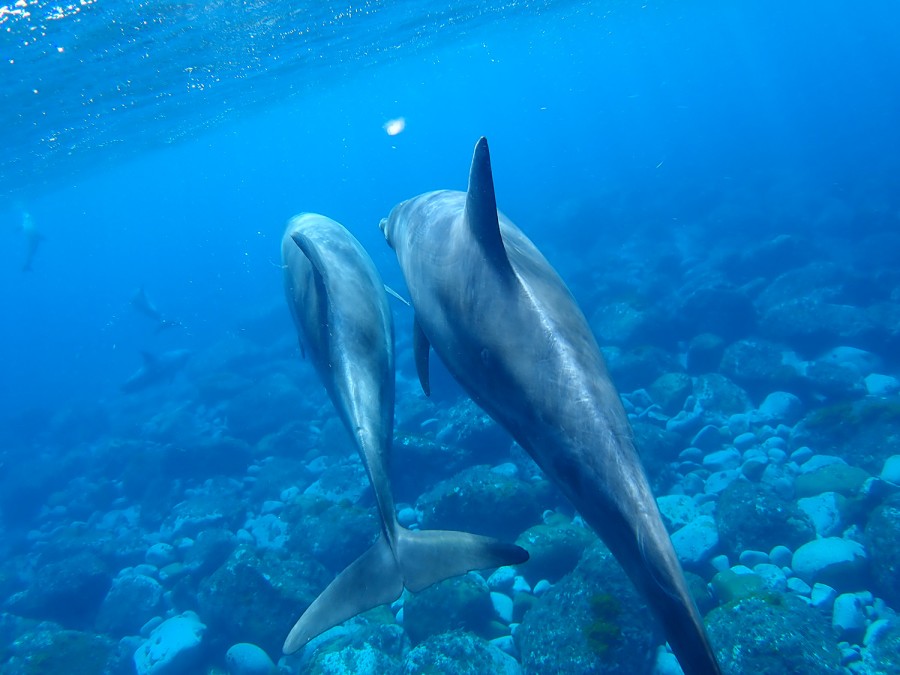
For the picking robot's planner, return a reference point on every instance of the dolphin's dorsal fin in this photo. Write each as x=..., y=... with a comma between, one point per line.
x=481, y=206
x=421, y=347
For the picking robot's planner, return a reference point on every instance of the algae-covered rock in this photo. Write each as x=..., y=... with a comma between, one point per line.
x=593, y=621
x=484, y=502
x=865, y=432
x=48, y=650
x=704, y=353
x=772, y=633
x=729, y=585
x=883, y=544
x=132, y=600
x=840, y=478
x=370, y=644
x=759, y=365
x=459, y=653
x=334, y=533
x=459, y=603
x=257, y=598
x=69, y=592
x=882, y=655
x=669, y=391
x=716, y=393
x=638, y=367
x=752, y=516
x=554, y=549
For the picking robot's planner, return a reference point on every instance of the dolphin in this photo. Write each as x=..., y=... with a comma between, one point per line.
x=33, y=239
x=143, y=305
x=509, y=330
x=156, y=369
x=340, y=309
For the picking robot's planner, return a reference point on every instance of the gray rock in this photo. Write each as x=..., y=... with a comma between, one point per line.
x=755, y=634
x=132, y=600
x=704, y=353
x=848, y=617
x=173, y=648
x=677, y=511
x=824, y=511
x=709, y=438
x=835, y=561
x=593, y=621
x=780, y=407
x=760, y=366
x=720, y=480
x=720, y=460
x=717, y=393
x=772, y=576
x=248, y=659
x=822, y=596
x=818, y=461
x=458, y=653
x=881, y=385
x=751, y=558
x=781, y=555
x=883, y=541
x=160, y=554
x=891, y=470
x=696, y=542
x=798, y=586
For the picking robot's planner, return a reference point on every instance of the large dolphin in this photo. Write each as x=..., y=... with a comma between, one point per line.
x=510, y=332
x=341, y=312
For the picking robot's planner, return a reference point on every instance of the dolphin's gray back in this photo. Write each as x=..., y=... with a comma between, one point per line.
x=510, y=332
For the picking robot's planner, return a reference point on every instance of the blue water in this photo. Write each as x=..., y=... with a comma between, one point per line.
x=164, y=145
x=642, y=115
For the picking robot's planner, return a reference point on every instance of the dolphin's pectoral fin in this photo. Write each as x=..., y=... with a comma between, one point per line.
x=399, y=297
x=150, y=360
x=481, y=207
x=429, y=556
x=421, y=347
x=371, y=580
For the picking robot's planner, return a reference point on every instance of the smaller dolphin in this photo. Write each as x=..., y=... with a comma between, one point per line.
x=509, y=331
x=143, y=305
x=340, y=308
x=33, y=239
x=156, y=369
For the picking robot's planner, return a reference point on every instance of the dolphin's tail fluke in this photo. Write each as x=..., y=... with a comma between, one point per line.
x=429, y=556
x=376, y=577
x=372, y=579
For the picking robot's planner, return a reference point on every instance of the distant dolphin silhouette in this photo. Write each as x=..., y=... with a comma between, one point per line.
x=156, y=369
x=33, y=239
x=510, y=332
x=341, y=312
x=142, y=304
